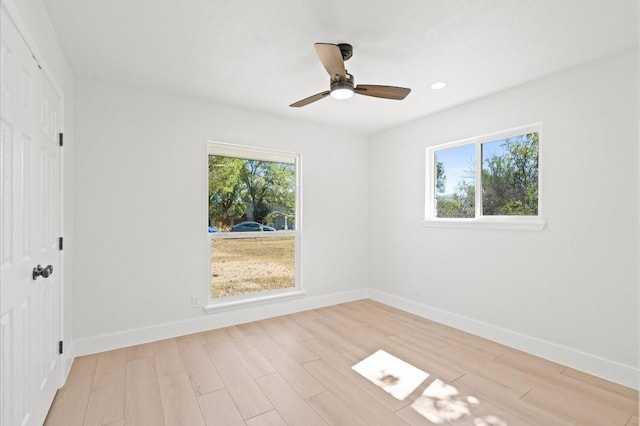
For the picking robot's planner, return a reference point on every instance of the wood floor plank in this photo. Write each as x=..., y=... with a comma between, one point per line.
x=179, y=405
x=384, y=322
x=575, y=408
x=69, y=407
x=304, y=316
x=334, y=314
x=337, y=327
x=107, y=400
x=334, y=411
x=470, y=362
x=486, y=390
x=395, y=317
x=343, y=365
x=139, y=351
x=254, y=361
x=203, y=375
x=362, y=403
x=426, y=337
x=167, y=357
x=219, y=409
x=331, y=355
x=547, y=374
x=290, y=405
x=412, y=417
x=457, y=408
x=143, y=405
x=530, y=364
x=596, y=393
x=592, y=380
x=321, y=330
x=289, y=342
x=372, y=340
x=462, y=356
x=293, y=328
x=293, y=372
x=247, y=395
x=270, y=418
x=211, y=336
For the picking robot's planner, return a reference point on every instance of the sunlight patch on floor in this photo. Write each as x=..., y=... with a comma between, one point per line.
x=392, y=374
x=442, y=403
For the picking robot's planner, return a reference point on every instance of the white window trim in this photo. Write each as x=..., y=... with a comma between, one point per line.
x=528, y=223
x=215, y=304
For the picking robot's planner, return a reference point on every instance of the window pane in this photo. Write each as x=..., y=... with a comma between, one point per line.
x=455, y=182
x=248, y=265
x=254, y=191
x=510, y=176
x=250, y=199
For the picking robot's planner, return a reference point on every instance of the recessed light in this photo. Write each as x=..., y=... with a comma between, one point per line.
x=439, y=85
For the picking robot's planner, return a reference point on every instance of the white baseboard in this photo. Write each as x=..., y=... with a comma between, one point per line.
x=211, y=321
x=610, y=370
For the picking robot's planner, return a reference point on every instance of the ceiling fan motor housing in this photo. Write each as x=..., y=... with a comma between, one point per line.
x=346, y=49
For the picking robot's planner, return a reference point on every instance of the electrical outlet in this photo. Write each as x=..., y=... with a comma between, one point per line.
x=195, y=301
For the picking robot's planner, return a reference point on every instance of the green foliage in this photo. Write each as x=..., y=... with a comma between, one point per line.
x=460, y=204
x=510, y=180
x=225, y=189
x=238, y=186
x=509, y=183
x=441, y=179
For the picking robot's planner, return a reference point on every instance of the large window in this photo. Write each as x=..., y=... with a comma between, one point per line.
x=254, y=222
x=492, y=180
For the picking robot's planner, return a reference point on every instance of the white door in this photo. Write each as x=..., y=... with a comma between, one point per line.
x=30, y=225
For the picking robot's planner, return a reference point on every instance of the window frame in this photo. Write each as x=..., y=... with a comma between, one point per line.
x=533, y=223
x=217, y=304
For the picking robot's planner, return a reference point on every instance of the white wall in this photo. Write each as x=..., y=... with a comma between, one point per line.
x=141, y=209
x=33, y=21
x=569, y=292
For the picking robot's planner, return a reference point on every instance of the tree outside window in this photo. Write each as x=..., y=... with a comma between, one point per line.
x=505, y=170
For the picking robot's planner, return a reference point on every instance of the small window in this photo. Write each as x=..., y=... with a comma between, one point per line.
x=455, y=181
x=489, y=179
x=254, y=222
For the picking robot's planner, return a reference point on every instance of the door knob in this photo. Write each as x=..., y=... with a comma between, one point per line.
x=44, y=272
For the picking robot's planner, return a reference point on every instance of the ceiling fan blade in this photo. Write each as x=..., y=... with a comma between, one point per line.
x=310, y=99
x=387, y=92
x=331, y=59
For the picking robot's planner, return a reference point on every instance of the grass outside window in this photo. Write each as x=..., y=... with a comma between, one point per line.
x=250, y=265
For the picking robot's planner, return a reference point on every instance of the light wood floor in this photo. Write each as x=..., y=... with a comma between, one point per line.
x=296, y=370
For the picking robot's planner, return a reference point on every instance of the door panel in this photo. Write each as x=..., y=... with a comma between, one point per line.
x=30, y=224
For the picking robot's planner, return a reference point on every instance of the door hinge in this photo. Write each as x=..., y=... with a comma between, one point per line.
x=60, y=347
x=61, y=243
x=61, y=139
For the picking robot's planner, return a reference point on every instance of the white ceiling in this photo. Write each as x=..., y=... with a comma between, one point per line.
x=259, y=55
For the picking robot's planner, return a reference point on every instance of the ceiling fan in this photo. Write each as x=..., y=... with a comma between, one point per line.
x=341, y=85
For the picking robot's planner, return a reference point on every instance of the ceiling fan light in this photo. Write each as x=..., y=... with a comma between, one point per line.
x=342, y=89
x=342, y=92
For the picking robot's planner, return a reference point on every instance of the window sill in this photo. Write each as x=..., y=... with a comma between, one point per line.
x=244, y=302
x=521, y=224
